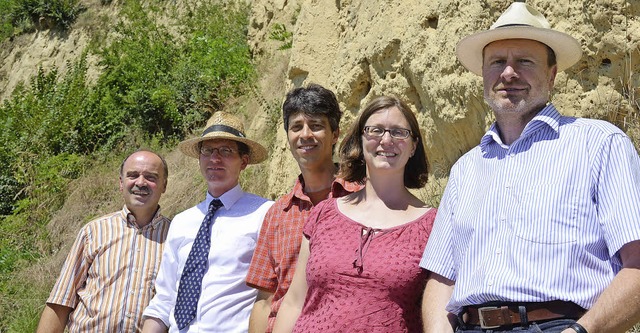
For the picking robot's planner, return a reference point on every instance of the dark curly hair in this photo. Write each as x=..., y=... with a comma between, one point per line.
x=314, y=100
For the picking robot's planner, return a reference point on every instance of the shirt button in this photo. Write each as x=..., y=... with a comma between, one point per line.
x=490, y=282
x=498, y=250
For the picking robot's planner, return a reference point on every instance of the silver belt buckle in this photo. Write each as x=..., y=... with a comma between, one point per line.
x=483, y=324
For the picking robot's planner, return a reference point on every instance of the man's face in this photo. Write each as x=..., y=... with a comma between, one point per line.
x=311, y=139
x=142, y=182
x=221, y=172
x=516, y=76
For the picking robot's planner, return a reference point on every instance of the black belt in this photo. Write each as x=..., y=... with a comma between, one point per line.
x=493, y=316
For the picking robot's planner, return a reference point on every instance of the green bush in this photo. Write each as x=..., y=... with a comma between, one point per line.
x=18, y=16
x=153, y=84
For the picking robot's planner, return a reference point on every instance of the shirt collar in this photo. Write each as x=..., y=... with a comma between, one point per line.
x=130, y=219
x=296, y=192
x=338, y=187
x=228, y=198
x=548, y=117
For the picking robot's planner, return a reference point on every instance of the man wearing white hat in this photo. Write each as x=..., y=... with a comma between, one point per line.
x=539, y=227
x=200, y=285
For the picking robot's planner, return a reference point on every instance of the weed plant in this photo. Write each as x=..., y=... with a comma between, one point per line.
x=20, y=16
x=155, y=77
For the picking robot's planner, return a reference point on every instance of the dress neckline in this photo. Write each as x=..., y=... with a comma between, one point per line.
x=400, y=226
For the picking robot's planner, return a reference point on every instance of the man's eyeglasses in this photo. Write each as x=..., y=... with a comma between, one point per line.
x=222, y=151
x=378, y=132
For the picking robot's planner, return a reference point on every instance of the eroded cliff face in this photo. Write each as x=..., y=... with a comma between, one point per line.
x=365, y=48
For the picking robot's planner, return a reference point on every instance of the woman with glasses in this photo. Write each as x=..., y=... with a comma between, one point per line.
x=358, y=265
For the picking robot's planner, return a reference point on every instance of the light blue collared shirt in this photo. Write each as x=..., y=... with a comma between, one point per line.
x=541, y=219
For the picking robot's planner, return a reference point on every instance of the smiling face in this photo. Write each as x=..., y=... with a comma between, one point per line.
x=222, y=173
x=311, y=139
x=516, y=76
x=385, y=152
x=142, y=182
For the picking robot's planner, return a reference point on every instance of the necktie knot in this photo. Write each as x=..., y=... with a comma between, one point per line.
x=214, y=205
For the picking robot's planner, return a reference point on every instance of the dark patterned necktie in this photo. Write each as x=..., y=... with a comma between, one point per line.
x=194, y=268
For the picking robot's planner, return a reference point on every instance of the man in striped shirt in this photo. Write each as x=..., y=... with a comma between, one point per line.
x=539, y=226
x=109, y=275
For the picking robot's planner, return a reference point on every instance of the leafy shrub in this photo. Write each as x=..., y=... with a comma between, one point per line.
x=154, y=81
x=157, y=83
x=9, y=193
x=24, y=15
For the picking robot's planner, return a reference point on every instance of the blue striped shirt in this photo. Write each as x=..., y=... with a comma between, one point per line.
x=541, y=219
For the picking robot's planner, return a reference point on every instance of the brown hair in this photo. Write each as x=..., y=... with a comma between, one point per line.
x=353, y=167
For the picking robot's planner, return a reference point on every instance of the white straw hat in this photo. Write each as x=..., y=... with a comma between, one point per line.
x=519, y=21
x=223, y=125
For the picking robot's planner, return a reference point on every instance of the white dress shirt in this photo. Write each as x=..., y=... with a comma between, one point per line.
x=226, y=301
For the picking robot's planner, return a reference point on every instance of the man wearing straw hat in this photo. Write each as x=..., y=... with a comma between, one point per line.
x=200, y=285
x=539, y=227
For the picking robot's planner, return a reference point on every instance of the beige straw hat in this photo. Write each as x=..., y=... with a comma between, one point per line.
x=519, y=21
x=223, y=125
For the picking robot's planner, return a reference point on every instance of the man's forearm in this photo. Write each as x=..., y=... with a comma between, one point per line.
x=153, y=325
x=618, y=307
x=259, y=319
x=54, y=319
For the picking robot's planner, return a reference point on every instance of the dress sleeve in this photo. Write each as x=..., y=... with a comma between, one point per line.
x=429, y=219
x=314, y=217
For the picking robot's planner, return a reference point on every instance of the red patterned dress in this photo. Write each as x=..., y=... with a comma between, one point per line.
x=362, y=279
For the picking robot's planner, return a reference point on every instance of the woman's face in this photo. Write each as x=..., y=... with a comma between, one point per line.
x=390, y=151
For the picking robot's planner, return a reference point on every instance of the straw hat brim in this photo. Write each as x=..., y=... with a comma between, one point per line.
x=470, y=49
x=257, y=153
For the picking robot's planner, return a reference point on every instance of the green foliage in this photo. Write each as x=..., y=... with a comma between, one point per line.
x=158, y=83
x=279, y=32
x=9, y=192
x=154, y=80
x=17, y=16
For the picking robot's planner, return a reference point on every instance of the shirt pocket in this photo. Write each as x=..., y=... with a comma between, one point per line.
x=545, y=213
x=233, y=247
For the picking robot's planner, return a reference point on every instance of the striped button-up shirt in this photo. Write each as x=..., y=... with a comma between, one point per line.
x=109, y=275
x=541, y=219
